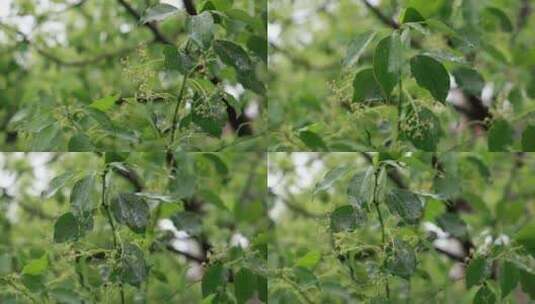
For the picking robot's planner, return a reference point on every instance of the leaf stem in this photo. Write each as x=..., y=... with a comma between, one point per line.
x=381, y=221
x=177, y=106
x=110, y=221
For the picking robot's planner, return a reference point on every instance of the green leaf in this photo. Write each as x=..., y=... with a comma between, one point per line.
x=526, y=237
x=131, y=210
x=219, y=164
x=422, y=128
x=453, y=224
x=83, y=196
x=66, y=228
x=366, y=88
x=412, y=15
x=401, y=259
x=509, y=277
x=158, y=13
x=187, y=221
x=312, y=140
x=357, y=47
x=469, y=80
x=245, y=286
x=387, y=63
x=211, y=197
x=212, y=279
x=134, y=270
x=36, y=266
x=309, y=260
x=115, y=157
x=527, y=280
x=528, y=139
x=431, y=75
x=500, y=136
x=105, y=103
x=176, y=59
x=80, y=142
x=200, y=29
x=59, y=182
x=346, y=218
x=233, y=55
x=493, y=17
x=47, y=139
x=361, y=187
x=406, y=204
x=259, y=46
x=485, y=296
x=477, y=271
x=330, y=178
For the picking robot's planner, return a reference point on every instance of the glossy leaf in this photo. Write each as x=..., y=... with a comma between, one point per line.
x=469, y=80
x=233, y=55
x=526, y=237
x=361, y=188
x=366, y=88
x=346, y=218
x=134, y=270
x=201, y=29
x=431, y=75
x=405, y=204
x=187, y=221
x=245, y=288
x=66, y=228
x=452, y=224
x=422, y=128
x=387, y=62
x=401, y=259
x=412, y=15
x=80, y=142
x=312, y=140
x=485, y=296
x=59, y=182
x=158, y=12
x=330, y=178
x=83, y=196
x=131, y=210
x=357, y=47
x=176, y=59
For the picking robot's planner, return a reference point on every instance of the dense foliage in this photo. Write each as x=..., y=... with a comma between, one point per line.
x=133, y=228
x=132, y=75
x=411, y=228
x=402, y=75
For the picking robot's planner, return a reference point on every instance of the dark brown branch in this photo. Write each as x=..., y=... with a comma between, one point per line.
x=386, y=20
x=190, y=7
x=158, y=36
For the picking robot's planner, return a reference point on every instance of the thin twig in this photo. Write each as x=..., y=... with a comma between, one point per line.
x=386, y=20
x=158, y=36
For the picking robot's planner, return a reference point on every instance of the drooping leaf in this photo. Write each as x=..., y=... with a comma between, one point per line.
x=477, y=271
x=83, y=196
x=431, y=75
x=131, y=210
x=201, y=29
x=366, y=88
x=527, y=280
x=66, y=228
x=330, y=178
x=134, y=269
x=509, y=277
x=312, y=140
x=406, y=204
x=59, y=182
x=158, y=13
x=485, y=296
x=453, y=224
x=187, y=221
x=361, y=187
x=357, y=47
x=387, y=62
x=177, y=59
x=233, y=55
x=245, y=286
x=212, y=279
x=401, y=259
x=412, y=15
x=469, y=80
x=80, y=142
x=500, y=136
x=346, y=218
x=105, y=103
x=422, y=128
x=528, y=139
x=36, y=266
x=259, y=46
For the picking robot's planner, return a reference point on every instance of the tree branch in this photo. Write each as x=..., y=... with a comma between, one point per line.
x=382, y=17
x=158, y=36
